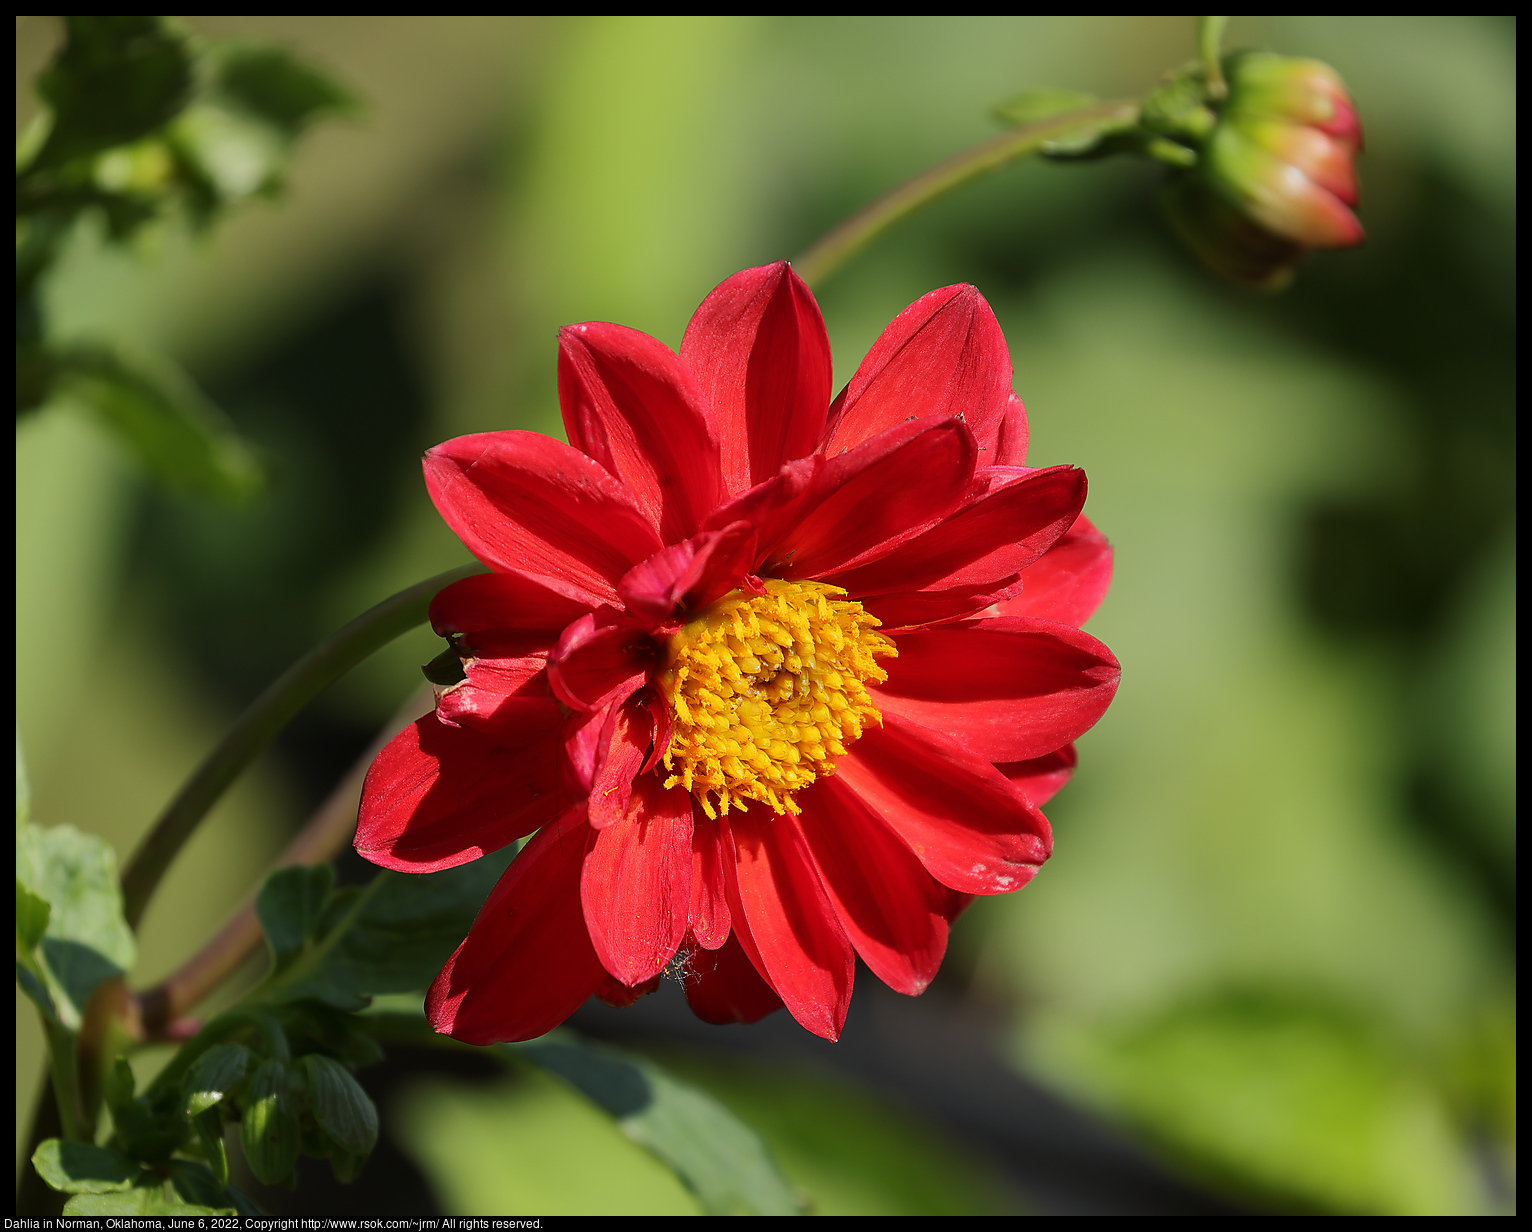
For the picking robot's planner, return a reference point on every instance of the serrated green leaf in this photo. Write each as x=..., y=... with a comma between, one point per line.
x=82, y=1168
x=116, y=78
x=269, y=1131
x=1039, y=104
x=395, y=937
x=86, y=939
x=213, y=1076
x=179, y=436
x=289, y=907
x=341, y=1109
x=717, y=1156
x=196, y=1184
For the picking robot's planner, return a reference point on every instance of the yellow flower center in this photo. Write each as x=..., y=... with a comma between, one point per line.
x=768, y=691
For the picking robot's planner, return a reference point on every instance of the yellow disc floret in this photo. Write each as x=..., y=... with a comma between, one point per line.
x=767, y=691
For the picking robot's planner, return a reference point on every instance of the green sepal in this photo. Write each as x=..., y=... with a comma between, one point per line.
x=341, y=1109
x=214, y=1076
x=209, y=1127
x=83, y=1168
x=269, y=1131
x=120, y=1086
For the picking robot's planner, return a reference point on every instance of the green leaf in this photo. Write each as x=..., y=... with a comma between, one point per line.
x=196, y=1184
x=290, y=906
x=716, y=1156
x=31, y=920
x=180, y=437
x=341, y=1109
x=270, y=1131
x=213, y=1076
x=270, y=83
x=1039, y=104
x=394, y=938
x=116, y=79
x=81, y=1168
x=86, y=939
x=145, y=1201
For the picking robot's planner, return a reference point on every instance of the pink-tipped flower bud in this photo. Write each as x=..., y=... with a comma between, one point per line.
x=1276, y=175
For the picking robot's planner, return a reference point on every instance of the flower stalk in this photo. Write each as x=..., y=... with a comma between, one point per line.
x=827, y=254
x=261, y=723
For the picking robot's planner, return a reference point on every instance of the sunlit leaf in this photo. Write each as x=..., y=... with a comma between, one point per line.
x=86, y=940
x=213, y=1076
x=270, y=1131
x=147, y=1201
x=81, y=1168
x=717, y=1157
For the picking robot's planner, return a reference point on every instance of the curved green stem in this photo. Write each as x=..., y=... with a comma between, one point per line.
x=831, y=251
x=1209, y=37
x=261, y=722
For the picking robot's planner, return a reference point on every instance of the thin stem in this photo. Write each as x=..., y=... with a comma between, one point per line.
x=1209, y=37
x=261, y=722
x=332, y=824
x=815, y=263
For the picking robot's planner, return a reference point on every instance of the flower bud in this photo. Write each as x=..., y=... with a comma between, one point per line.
x=1276, y=176
x=341, y=1109
x=270, y=1131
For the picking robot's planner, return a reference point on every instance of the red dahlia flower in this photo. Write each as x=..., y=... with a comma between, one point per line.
x=776, y=680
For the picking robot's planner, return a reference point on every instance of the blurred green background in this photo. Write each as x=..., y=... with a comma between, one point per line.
x=1276, y=937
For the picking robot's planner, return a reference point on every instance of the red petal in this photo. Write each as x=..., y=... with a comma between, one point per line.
x=619, y=996
x=709, y=919
x=983, y=545
x=503, y=675
x=1041, y=777
x=891, y=908
x=602, y=656
x=943, y=355
x=439, y=796
x=527, y=962
x=628, y=732
x=690, y=574
x=637, y=883
x=759, y=351
x=508, y=601
x=1067, y=584
x=863, y=503
x=523, y=502
x=922, y=608
x=962, y=818
x=786, y=922
x=1004, y=689
x=580, y=741
x=1011, y=441
x=630, y=403
x=723, y=986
